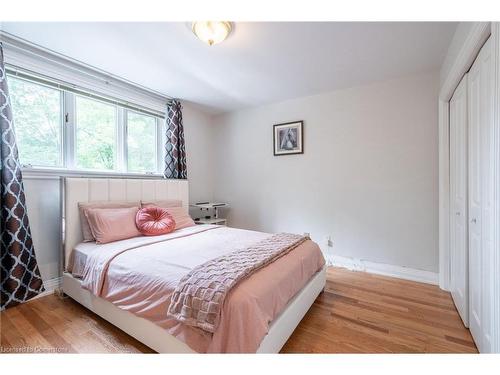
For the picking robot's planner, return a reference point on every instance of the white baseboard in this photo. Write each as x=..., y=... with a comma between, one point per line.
x=50, y=286
x=384, y=269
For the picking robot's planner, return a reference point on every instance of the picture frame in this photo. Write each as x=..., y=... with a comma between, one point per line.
x=288, y=138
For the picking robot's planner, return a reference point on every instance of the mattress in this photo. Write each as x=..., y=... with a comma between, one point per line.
x=83, y=250
x=140, y=274
x=79, y=258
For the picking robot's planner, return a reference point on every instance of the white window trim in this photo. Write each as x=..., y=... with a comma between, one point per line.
x=69, y=131
x=33, y=172
x=121, y=161
x=161, y=138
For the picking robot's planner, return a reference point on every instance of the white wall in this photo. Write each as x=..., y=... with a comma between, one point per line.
x=200, y=153
x=43, y=195
x=368, y=177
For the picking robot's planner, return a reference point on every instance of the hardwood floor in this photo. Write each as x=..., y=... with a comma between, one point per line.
x=365, y=313
x=357, y=313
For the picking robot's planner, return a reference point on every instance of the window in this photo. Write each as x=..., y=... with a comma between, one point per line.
x=95, y=134
x=141, y=142
x=60, y=127
x=37, y=122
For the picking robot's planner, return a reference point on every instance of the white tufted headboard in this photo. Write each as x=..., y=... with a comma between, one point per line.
x=111, y=189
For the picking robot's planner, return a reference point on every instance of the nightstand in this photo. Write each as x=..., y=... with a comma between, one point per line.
x=207, y=206
x=217, y=221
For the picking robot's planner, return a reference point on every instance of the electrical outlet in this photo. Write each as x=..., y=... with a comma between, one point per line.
x=328, y=241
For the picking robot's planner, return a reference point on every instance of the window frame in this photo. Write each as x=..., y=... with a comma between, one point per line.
x=68, y=162
x=62, y=139
x=158, y=136
x=118, y=154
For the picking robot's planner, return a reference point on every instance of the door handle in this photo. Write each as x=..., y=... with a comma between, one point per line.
x=473, y=221
x=457, y=213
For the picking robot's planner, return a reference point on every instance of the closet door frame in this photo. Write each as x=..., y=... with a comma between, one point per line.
x=459, y=186
x=479, y=33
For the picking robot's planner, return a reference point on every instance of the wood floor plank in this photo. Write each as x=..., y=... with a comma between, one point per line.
x=357, y=313
x=29, y=333
x=45, y=329
x=10, y=336
x=396, y=321
x=420, y=317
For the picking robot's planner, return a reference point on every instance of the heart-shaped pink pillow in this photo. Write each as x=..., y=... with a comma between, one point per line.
x=154, y=221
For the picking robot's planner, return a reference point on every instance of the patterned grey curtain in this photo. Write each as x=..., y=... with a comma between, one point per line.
x=175, y=157
x=20, y=277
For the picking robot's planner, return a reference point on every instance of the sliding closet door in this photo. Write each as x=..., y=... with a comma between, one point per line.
x=459, y=262
x=480, y=107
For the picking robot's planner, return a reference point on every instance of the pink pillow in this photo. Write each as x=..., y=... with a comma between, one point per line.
x=166, y=203
x=154, y=221
x=180, y=215
x=82, y=206
x=112, y=224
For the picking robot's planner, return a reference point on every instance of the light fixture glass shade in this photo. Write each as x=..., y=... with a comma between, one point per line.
x=211, y=32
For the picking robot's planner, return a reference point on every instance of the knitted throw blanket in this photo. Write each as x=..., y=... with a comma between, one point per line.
x=198, y=299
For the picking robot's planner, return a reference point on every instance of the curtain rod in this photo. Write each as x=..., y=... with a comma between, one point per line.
x=21, y=44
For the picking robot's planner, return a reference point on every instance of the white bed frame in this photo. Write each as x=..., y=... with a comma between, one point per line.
x=103, y=189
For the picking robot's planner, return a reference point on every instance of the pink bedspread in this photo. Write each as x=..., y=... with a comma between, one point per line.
x=139, y=275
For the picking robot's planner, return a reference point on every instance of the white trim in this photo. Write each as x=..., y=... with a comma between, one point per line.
x=46, y=173
x=69, y=131
x=495, y=33
x=399, y=272
x=479, y=33
x=161, y=140
x=27, y=176
x=51, y=286
x=121, y=140
x=160, y=146
x=159, y=340
x=444, y=194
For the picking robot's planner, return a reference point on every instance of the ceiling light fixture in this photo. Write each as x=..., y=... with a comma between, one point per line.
x=211, y=32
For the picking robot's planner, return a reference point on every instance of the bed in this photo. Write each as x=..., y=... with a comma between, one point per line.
x=260, y=313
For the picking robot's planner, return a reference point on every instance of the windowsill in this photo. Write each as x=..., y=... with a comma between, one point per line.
x=47, y=172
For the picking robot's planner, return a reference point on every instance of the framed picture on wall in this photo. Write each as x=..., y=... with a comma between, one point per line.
x=288, y=138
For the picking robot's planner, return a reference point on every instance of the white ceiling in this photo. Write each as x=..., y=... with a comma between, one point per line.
x=259, y=63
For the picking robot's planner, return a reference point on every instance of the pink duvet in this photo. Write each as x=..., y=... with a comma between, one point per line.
x=140, y=274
